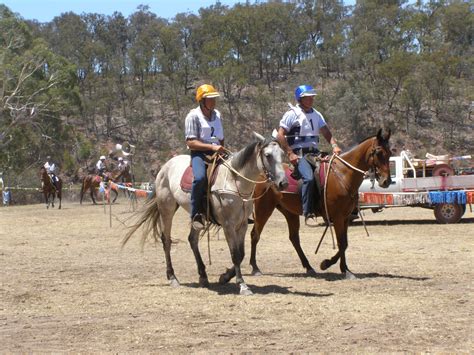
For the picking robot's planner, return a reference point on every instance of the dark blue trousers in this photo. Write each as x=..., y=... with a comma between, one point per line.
x=199, y=189
x=307, y=191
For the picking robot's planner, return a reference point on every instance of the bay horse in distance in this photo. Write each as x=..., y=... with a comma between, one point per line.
x=230, y=202
x=343, y=182
x=51, y=190
x=92, y=182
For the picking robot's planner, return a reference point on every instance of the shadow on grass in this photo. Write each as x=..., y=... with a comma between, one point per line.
x=335, y=276
x=233, y=289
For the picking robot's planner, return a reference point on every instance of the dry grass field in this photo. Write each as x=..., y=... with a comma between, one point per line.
x=66, y=286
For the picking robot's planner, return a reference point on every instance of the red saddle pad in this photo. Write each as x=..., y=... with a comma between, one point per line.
x=293, y=183
x=187, y=178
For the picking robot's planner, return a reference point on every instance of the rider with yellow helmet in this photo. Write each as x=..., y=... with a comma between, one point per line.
x=204, y=136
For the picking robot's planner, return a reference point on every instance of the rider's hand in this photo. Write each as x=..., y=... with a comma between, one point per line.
x=293, y=158
x=218, y=149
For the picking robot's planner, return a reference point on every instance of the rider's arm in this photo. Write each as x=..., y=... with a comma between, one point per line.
x=331, y=140
x=195, y=144
x=284, y=145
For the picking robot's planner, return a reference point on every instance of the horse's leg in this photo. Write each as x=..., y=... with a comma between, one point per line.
x=236, y=242
x=293, y=221
x=116, y=195
x=165, y=221
x=59, y=198
x=343, y=243
x=194, y=242
x=263, y=209
x=46, y=197
x=340, y=227
x=53, y=195
x=93, y=192
x=82, y=192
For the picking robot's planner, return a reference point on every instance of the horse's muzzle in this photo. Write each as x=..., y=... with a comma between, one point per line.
x=283, y=184
x=384, y=183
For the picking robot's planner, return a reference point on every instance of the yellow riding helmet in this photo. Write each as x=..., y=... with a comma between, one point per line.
x=205, y=91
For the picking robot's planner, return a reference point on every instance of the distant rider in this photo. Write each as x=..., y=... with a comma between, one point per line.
x=101, y=167
x=50, y=169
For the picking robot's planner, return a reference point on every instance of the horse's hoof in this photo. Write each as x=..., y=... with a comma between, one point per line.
x=223, y=279
x=311, y=272
x=256, y=272
x=245, y=290
x=325, y=264
x=203, y=282
x=174, y=283
x=349, y=276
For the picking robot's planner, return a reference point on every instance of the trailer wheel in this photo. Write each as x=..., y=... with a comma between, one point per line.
x=448, y=212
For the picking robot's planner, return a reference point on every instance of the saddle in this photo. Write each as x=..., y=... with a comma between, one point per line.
x=319, y=166
x=188, y=177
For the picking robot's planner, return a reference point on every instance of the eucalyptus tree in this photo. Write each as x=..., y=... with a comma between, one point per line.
x=37, y=94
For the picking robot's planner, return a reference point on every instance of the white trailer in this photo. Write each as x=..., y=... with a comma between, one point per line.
x=442, y=183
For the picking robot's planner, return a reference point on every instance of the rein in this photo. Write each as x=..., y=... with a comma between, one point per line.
x=365, y=173
x=254, y=182
x=244, y=199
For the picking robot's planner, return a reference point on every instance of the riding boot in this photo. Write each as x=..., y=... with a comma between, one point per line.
x=198, y=222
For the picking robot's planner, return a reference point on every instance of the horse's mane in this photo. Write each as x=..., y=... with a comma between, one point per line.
x=242, y=157
x=366, y=139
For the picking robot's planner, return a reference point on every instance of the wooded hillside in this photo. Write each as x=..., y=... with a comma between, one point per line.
x=74, y=84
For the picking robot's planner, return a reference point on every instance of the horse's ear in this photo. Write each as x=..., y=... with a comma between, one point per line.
x=379, y=134
x=383, y=137
x=259, y=137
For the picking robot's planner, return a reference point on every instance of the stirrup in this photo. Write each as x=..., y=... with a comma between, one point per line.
x=198, y=222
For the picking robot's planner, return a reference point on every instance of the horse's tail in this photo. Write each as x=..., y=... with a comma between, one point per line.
x=149, y=217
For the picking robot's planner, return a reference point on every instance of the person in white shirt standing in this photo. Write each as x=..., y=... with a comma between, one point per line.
x=204, y=136
x=298, y=135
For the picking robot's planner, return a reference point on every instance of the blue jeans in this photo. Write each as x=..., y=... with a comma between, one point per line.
x=307, y=191
x=199, y=189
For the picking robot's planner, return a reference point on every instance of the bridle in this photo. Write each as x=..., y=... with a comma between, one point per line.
x=268, y=174
x=372, y=172
x=374, y=169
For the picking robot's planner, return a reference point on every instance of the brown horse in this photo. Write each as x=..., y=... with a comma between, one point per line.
x=345, y=176
x=50, y=189
x=92, y=182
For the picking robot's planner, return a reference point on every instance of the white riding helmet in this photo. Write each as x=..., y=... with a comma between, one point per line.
x=102, y=157
x=120, y=159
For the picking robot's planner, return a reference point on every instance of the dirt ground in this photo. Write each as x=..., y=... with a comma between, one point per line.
x=66, y=286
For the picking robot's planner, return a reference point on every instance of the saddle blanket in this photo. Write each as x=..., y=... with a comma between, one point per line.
x=293, y=184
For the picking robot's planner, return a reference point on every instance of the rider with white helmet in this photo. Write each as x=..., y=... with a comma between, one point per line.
x=298, y=135
x=204, y=136
x=51, y=170
x=101, y=167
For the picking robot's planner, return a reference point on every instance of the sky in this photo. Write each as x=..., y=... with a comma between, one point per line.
x=46, y=10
